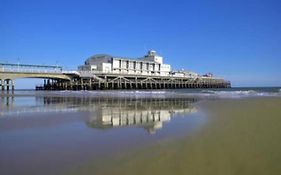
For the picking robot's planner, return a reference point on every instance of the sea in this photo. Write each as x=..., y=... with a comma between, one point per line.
x=169, y=131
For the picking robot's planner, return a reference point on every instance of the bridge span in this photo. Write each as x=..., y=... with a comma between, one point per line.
x=10, y=72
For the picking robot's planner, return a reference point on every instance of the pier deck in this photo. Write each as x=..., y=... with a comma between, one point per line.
x=102, y=81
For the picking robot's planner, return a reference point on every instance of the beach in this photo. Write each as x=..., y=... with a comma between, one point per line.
x=150, y=132
x=241, y=137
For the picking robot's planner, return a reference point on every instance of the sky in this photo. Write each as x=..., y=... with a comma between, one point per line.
x=239, y=40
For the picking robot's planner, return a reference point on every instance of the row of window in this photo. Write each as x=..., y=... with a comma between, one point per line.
x=136, y=71
x=138, y=65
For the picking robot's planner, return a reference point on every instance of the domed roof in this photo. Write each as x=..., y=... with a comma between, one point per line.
x=96, y=57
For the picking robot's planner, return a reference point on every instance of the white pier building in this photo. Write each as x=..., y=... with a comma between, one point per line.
x=150, y=64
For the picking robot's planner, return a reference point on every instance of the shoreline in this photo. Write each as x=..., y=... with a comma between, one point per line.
x=163, y=93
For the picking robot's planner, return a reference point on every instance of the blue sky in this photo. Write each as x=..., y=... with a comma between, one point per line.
x=236, y=39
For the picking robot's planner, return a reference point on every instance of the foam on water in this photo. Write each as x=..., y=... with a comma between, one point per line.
x=167, y=93
x=172, y=93
x=242, y=93
x=112, y=93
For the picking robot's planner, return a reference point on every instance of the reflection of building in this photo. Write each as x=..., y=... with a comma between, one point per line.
x=147, y=113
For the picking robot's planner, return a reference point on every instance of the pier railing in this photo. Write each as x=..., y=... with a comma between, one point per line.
x=25, y=68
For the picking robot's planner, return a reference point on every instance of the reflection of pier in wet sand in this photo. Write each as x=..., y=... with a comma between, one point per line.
x=106, y=113
x=147, y=113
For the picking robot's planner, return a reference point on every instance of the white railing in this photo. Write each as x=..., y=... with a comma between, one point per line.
x=29, y=70
x=70, y=72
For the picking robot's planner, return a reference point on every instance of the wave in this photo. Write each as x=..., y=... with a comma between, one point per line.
x=242, y=93
x=173, y=93
x=114, y=93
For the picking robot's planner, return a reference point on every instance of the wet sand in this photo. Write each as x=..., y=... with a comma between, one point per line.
x=46, y=134
x=242, y=136
x=52, y=135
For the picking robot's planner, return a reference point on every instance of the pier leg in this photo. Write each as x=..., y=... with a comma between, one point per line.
x=2, y=85
x=90, y=84
x=136, y=82
x=8, y=85
x=81, y=84
x=119, y=83
x=13, y=85
x=64, y=85
x=106, y=82
x=99, y=85
x=71, y=85
x=48, y=84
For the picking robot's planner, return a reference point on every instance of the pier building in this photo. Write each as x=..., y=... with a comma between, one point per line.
x=150, y=64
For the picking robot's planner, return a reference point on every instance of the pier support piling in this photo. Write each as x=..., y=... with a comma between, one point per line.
x=13, y=85
x=8, y=85
x=104, y=82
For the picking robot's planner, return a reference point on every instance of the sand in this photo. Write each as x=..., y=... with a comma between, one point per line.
x=242, y=136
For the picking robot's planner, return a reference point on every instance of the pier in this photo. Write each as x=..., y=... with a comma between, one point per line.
x=98, y=81
x=105, y=72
